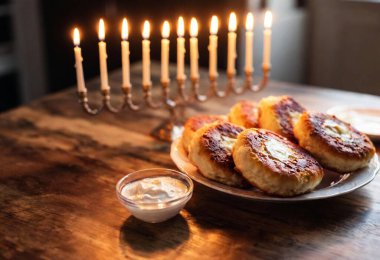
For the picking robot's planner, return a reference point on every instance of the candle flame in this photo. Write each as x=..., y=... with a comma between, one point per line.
x=181, y=27
x=76, y=38
x=214, y=25
x=193, y=27
x=146, y=30
x=165, y=30
x=268, y=19
x=102, y=33
x=232, y=23
x=124, y=30
x=249, y=22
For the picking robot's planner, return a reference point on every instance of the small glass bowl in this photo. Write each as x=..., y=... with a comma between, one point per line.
x=155, y=212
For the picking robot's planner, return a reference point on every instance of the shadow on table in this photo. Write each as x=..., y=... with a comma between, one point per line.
x=149, y=238
x=278, y=227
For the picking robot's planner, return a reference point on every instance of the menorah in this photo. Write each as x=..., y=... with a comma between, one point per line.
x=171, y=128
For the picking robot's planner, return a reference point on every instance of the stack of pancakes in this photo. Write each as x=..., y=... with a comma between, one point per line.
x=276, y=145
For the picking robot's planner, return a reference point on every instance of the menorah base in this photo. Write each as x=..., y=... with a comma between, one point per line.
x=172, y=128
x=167, y=131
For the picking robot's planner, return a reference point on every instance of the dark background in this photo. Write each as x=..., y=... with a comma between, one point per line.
x=60, y=45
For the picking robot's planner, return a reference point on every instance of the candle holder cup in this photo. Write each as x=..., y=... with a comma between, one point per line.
x=172, y=127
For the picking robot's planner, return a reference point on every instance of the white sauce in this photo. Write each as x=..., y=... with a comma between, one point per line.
x=278, y=150
x=337, y=130
x=228, y=142
x=154, y=190
x=294, y=117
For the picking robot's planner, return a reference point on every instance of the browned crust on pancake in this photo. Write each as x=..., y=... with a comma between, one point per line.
x=360, y=146
x=283, y=109
x=211, y=152
x=196, y=122
x=248, y=112
x=302, y=163
x=211, y=142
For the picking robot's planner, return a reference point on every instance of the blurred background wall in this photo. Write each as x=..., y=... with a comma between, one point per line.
x=332, y=43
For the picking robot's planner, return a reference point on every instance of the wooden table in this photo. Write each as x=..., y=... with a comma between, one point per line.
x=59, y=168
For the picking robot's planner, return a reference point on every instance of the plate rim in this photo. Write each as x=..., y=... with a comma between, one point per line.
x=338, y=108
x=174, y=152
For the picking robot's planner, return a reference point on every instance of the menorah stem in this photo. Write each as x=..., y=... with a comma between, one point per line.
x=83, y=100
x=172, y=128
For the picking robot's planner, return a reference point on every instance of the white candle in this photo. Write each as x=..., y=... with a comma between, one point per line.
x=165, y=53
x=103, y=57
x=181, y=49
x=146, y=55
x=78, y=62
x=249, y=43
x=213, y=48
x=125, y=54
x=194, y=55
x=231, y=55
x=267, y=39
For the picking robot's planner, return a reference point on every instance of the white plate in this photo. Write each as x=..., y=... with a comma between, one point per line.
x=333, y=184
x=364, y=119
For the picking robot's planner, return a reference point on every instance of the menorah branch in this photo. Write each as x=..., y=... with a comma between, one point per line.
x=263, y=82
x=195, y=86
x=195, y=94
x=214, y=88
x=232, y=85
x=149, y=99
x=83, y=100
x=127, y=90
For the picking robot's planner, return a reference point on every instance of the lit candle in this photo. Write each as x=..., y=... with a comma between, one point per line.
x=165, y=52
x=267, y=39
x=232, y=24
x=249, y=43
x=103, y=57
x=146, y=55
x=181, y=49
x=194, y=55
x=213, y=48
x=125, y=54
x=78, y=62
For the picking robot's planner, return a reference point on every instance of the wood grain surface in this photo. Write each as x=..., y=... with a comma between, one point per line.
x=59, y=167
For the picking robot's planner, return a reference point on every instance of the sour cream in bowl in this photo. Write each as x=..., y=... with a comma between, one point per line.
x=154, y=195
